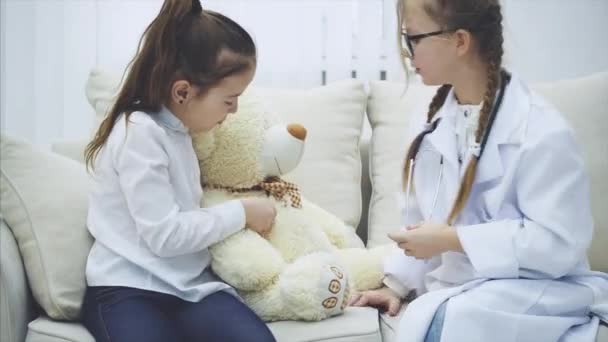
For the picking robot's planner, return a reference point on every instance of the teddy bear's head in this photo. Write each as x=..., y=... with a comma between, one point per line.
x=249, y=146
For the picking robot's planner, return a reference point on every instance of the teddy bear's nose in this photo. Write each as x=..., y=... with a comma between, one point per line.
x=297, y=131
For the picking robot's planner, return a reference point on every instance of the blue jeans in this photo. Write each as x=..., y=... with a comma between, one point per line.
x=434, y=332
x=117, y=314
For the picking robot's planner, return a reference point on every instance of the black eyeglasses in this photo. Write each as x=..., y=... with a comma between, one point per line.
x=410, y=39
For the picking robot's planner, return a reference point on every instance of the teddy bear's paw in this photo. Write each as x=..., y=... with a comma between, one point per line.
x=315, y=287
x=338, y=289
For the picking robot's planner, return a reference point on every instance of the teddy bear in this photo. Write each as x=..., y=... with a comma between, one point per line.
x=308, y=264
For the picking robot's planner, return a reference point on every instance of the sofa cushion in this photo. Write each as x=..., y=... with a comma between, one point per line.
x=44, y=329
x=602, y=334
x=101, y=90
x=355, y=325
x=389, y=325
x=44, y=202
x=330, y=171
x=73, y=149
x=15, y=298
x=582, y=101
x=389, y=108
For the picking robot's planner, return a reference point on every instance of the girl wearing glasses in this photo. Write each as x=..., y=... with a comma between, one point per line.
x=497, y=212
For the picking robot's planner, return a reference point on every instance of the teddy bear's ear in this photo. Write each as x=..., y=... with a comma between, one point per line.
x=204, y=144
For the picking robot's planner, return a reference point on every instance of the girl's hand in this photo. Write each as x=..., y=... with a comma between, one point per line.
x=259, y=214
x=426, y=240
x=384, y=299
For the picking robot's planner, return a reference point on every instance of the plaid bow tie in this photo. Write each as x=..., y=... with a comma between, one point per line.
x=274, y=186
x=279, y=188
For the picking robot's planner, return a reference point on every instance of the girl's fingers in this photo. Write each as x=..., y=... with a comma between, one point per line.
x=398, y=237
x=362, y=301
x=415, y=225
x=353, y=299
x=393, y=306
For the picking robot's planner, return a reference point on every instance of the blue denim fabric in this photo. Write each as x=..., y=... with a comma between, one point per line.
x=123, y=314
x=434, y=332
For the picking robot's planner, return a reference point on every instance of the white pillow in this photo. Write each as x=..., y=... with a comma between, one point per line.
x=101, y=90
x=389, y=110
x=43, y=198
x=582, y=101
x=330, y=171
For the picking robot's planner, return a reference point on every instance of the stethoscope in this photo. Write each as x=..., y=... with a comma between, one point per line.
x=476, y=149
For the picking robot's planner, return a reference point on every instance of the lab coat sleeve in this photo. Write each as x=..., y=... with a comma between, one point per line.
x=142, y=165
x=552, y=192
x=404, y=273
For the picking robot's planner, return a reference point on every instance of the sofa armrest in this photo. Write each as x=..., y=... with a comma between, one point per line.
x=16, y=304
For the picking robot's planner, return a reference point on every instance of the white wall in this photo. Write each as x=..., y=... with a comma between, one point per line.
x=555, y=39
x=48, y=47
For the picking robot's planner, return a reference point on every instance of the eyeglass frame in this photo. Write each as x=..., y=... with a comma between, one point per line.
x=417, y=37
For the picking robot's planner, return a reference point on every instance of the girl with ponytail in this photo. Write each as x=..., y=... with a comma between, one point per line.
x=148, y=271
x=494, y=247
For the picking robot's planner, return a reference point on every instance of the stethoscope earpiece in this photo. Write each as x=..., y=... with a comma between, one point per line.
x=475, y=150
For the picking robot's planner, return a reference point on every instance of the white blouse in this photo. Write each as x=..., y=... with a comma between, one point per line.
x=467, y=120
x=144, y=211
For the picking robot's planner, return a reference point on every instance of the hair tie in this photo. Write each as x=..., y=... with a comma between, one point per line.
x=196, y=7
x=475, y=149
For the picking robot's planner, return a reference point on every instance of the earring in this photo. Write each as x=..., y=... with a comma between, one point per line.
x=181, y=101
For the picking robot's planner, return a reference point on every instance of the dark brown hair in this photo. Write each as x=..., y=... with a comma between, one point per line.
x=182, y=42
x=483, y=19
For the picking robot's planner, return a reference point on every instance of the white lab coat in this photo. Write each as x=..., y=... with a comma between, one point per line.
x=525, y=231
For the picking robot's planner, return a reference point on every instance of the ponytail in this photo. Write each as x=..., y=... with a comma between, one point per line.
x=182, y=42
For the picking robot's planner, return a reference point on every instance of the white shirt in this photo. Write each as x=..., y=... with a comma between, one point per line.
x=467, y=120
x=144, y=211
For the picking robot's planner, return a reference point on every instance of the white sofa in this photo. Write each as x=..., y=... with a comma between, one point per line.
x=43, y=241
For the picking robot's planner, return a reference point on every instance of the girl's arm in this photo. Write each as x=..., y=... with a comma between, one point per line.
x=142, y=165
x=552, y=192
x=405, y=273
